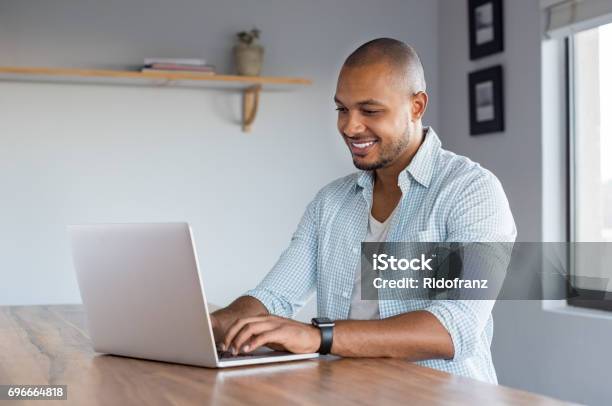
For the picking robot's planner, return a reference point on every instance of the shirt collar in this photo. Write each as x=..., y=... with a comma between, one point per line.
x=422, y=165
x=420, y=168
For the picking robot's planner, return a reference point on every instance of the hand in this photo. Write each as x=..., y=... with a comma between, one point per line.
x=278, y=333
x=218, y=332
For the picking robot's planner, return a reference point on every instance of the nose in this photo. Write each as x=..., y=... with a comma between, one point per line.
x=352, y=125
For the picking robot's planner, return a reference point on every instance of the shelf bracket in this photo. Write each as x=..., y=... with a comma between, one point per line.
x=250, y=101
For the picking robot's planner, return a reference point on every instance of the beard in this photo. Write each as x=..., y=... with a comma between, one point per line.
x=389, y=152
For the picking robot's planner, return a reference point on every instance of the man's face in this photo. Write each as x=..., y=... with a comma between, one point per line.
x=374, y=115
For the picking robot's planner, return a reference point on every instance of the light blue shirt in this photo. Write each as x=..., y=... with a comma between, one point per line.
x=445, y=198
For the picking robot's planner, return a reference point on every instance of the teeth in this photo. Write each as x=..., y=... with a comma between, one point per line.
x=363, y=145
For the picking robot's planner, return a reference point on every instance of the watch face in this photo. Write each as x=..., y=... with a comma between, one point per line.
x=323, y=322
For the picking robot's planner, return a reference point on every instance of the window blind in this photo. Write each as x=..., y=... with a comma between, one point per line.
x=564, y=17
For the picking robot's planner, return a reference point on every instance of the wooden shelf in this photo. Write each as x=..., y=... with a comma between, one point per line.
x=251, y=86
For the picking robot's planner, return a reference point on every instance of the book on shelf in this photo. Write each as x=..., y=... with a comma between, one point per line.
x=180, y=67
x=178, y=61
x=194, y=72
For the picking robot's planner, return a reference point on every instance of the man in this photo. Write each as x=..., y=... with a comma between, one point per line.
x=408, y=189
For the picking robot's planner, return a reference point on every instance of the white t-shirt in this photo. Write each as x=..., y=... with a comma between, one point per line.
x=368, y=309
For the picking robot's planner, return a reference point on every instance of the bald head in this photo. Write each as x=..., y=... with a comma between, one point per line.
x=400, y=57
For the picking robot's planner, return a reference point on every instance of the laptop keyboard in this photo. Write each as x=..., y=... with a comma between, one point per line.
x=228, y=354
x=257, y=354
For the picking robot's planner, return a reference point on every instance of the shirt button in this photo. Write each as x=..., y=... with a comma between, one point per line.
x=355, y=250
x=345, y=295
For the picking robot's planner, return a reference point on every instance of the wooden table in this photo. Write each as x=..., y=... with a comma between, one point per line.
x=50, y=345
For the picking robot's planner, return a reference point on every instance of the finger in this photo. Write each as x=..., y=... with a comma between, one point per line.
x=249, y=330
x=236, y=327
x=275, y=337
x=272, y=346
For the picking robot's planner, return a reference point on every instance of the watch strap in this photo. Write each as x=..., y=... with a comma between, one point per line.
x=327, y=339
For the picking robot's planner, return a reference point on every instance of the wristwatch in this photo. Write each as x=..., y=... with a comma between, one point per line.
x=326, y=326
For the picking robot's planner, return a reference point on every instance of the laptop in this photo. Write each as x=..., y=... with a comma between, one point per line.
x=143, y=295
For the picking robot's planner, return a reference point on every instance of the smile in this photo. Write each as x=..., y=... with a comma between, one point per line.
x=361, y=147
x=363, y=144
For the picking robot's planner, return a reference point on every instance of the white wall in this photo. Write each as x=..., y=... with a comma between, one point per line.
x=83, y=153
x=562, y=354
x=75, y=153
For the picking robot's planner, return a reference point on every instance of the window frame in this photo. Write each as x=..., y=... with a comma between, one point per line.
x=587, y=298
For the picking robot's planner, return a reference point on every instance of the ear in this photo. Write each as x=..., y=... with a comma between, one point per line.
x=419, y=105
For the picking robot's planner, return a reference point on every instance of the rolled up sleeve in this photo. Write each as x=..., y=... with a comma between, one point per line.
x=481, y=214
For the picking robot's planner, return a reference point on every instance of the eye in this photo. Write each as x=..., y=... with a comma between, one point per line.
x=341, y=109
x=370, y=112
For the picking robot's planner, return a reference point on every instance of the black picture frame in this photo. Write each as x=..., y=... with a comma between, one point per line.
x=486, y=27
x=486, y=100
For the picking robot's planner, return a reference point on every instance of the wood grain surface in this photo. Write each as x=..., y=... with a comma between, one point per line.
x=102, y=73
x=50, y=345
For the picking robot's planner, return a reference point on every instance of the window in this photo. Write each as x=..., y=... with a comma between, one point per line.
x=590, y=176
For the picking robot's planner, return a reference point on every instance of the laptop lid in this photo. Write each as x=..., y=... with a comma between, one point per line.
x=142, y=291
